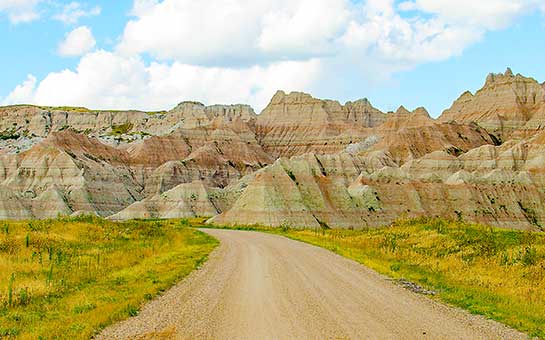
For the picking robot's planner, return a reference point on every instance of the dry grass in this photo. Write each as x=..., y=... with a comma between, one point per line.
x=69, y=278
x=494, y=272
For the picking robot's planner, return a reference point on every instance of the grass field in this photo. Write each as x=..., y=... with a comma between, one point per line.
x=495, y=272
x=69, y=278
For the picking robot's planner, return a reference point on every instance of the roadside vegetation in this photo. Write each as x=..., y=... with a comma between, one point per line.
x=494, y=272
x=69, y=278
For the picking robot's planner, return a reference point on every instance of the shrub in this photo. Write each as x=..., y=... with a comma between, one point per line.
x=121, y=129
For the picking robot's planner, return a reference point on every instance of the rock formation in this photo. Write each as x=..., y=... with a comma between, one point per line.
x=28, y=120
x=506, y=105
x=185, y=200
x=70, y=172
x=302, y=162
x=92, y=173
x=296, y=123
x=498, y=185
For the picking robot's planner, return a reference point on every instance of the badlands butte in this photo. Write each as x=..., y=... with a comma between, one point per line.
x=302, y=162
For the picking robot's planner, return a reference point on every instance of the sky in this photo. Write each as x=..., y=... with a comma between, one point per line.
x=151, y=54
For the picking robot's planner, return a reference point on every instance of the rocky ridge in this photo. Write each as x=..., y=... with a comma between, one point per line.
x=508, y=105
x=302, y=162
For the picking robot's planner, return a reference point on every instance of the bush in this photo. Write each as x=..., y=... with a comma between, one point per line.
x=121, y=129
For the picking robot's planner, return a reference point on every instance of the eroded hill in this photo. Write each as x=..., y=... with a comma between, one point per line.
x=301, y=162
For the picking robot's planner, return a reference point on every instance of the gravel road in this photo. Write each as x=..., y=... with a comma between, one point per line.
x=261, y=286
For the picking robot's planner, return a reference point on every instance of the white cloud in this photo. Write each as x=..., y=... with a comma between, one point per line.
x=226, y=51
x=238, y=31
x=74, y=11
x=22, y=93
x=303, y=27
x=386, y=38
x=253, y=85
x=78, y=42
x=109, y=81
x=20, y=11
x=140, y=7
x=488, y=14
x=246, y=32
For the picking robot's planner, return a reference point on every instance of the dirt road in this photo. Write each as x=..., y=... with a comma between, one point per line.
x=260, y=286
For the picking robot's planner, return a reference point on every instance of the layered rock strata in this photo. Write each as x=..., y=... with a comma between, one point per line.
x=296, y=123
x=303, y=162
x=507, y=105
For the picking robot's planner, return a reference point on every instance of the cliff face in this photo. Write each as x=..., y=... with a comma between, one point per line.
x=68, y=173
x=51, y=167
x=497, y=185
x=302, y=162
x=507, y=105
x=40, y=121
x=295, y=123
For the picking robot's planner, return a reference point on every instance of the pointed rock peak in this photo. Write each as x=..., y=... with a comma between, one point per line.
x=495, y=77
x=421, y=111
x=402, y=111
x=362, y=101
x=491, y=78
x=466, y=94
x=279, y=95
x=361, y=104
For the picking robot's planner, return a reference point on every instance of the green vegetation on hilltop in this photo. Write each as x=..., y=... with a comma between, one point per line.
x=153, y=113
x=494, y=272
x=79, y=109
x=84, y=109
x=69, y=278
x=65, y=108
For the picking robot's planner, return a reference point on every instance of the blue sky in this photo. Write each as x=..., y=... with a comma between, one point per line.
x=32, y=47
x=150, y=54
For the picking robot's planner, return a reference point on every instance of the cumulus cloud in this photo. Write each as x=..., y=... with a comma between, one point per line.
x=23, y=11
x=386, y=38
x=241, y=31
x=22, y=93
x=20, y=11
x=140, y=7
x=72, y=12
x=107, y=80
x=294, y=30
x=488, y=14
x=244, y=50
x=246, y=31
x=391, y=38
x=77, y=42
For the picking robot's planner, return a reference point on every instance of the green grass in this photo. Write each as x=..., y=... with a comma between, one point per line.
x=121, y=129
x=65, y=108
x=494, y=272
x=69, y=278
x=153, y=113
x=78, y=109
